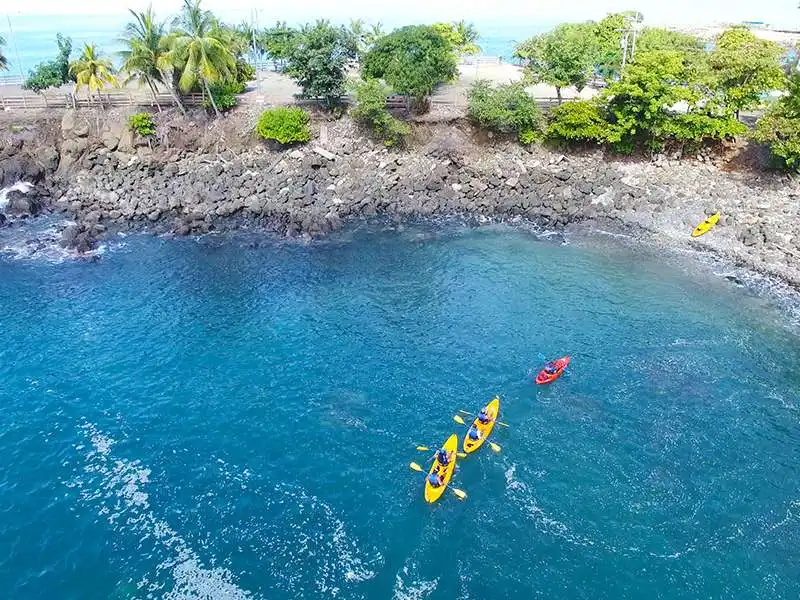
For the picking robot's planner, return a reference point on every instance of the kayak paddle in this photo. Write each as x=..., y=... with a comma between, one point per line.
x=471, y=415
x=415, y=467
x=426, y=449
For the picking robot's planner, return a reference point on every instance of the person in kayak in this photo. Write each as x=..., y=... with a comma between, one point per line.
x=474, y=433
x=484, y=417
x=435, y=480
x=550, y=368
x=443, y=456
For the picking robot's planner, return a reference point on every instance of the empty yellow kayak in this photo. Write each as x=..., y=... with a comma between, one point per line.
x=706, y=225
x=493, y=409
x=432, y=494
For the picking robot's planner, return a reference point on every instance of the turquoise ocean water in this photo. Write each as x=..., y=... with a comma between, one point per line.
x=231, y=417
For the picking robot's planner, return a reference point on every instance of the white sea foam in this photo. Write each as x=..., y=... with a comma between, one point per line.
x=417, y=589
x=116, y=486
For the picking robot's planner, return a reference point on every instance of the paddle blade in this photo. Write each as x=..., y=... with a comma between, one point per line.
x=463, y=412
x=459, y=420
x=423, y=448
x=460, y=494
x=461, y=454
x=416, y=467
x=503, y=424
x=495, y=447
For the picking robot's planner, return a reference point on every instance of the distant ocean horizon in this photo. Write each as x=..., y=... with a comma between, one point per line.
x=31, y=40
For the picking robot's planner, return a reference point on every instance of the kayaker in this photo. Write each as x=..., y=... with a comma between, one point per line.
x=550, y=368
x=443, y=457
x=483, y=416
x=435, y=479
x=474, y=433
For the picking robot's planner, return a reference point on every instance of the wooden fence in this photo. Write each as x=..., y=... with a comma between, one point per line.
x=104, y=100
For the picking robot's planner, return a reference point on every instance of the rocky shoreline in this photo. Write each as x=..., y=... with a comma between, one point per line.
x=203, y=175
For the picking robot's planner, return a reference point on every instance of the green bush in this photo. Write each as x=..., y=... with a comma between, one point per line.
x=505, y=109
x=370, y=109
x=580, y=121
x=142, y=124
x=286, y=125
x=244, y=72
x=225, y=95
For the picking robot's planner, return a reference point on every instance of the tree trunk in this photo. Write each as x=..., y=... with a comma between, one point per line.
x=153, y=91
x=211, y=97
x=558, y=94
x=173, y=93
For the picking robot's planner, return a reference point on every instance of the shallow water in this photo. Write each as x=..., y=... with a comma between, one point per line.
x=231, y=417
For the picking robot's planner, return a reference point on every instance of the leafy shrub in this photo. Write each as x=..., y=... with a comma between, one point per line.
x=142, y=124
x=286, y=125
x=505, y=109
x=225, y=95
x=579, y=121
x=370, y=109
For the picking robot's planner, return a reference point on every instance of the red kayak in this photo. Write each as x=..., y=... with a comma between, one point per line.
x=560, y=365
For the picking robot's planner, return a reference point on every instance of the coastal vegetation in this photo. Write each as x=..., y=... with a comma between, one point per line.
x=413, y=60
x=285, y=125
x=52, y=73
x=505, y=109
x=656, y=89
x=369, y=108
x=142, y=124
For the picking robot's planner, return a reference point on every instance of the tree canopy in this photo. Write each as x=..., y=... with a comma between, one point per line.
x=413, y=60
x=563, y=57
x=462, y=36
x=93, y=70
x=745, y=67
x=52, y=73
x=318, y=58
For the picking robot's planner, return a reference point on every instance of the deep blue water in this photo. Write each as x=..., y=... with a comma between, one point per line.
x=231, y=417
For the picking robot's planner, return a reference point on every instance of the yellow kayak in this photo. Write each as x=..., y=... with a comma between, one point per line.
x=493, y=408
x=432, y=494
x=706, y=225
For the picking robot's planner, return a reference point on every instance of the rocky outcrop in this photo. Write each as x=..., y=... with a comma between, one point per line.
x=107, y=180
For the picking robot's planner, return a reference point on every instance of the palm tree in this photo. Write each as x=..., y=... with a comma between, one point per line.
x=3, y=59
x=143, y=38
x=469, y=36
x=197, y=51
x=93, y=71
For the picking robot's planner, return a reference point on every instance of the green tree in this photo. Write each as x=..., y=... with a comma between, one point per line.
x=413, y=60
x=608, y=35
x=583, y=121
x=563, y=57
x=145, y=58
x=278, y=42
x=370, y=109
x=53, y=73
x=318, y=59
x=462, y=36
x=654, y=39
x=196, y=52
x=642, y=105
x=506, y=109
x=745, y=67
x=3, y=59
x=93, y=71
x=780, y=126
